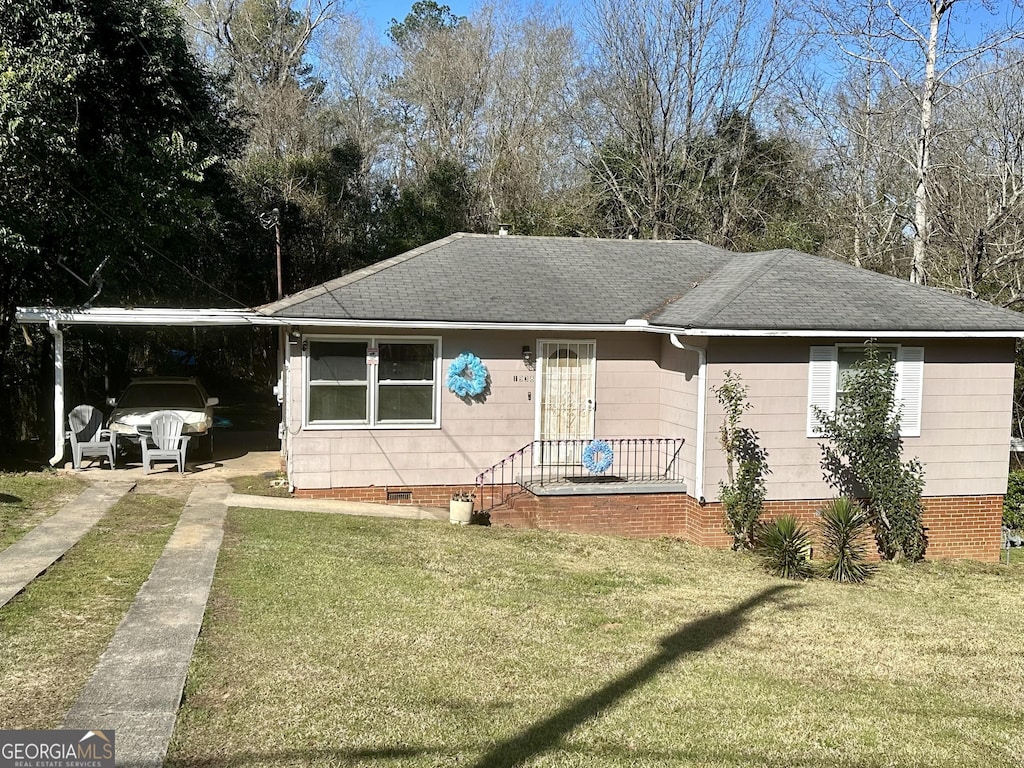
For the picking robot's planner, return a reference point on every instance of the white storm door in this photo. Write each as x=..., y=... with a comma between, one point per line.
x=566, y=390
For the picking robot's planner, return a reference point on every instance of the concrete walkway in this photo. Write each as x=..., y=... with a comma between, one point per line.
x=136, y=687
x=336, y=507
x=40, y=548
x=137, y=684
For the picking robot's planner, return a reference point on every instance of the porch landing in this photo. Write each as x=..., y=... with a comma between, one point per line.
x=611, y=486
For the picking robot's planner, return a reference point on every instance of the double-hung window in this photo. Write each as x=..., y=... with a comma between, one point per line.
x=369, y=381
x=832, y=367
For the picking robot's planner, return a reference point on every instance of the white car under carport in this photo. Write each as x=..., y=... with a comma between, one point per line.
x=184, y=395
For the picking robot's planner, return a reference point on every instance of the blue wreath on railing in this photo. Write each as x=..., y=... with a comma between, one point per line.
x=467, y=375
x=598, y=456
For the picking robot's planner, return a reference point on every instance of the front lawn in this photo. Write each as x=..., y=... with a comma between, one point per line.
x=53, y=633
x=337, y=641
x=26, y=499
x=265, y=484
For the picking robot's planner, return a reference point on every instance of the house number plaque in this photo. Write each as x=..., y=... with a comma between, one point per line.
x=523, y=378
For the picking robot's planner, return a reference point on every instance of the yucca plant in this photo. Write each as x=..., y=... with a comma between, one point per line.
x=785, y=546
x=843, y=525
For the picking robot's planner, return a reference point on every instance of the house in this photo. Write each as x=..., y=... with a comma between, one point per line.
x=570, y=382
x=567, y=340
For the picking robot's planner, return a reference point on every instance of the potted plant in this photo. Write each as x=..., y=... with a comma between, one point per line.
x=460, y=508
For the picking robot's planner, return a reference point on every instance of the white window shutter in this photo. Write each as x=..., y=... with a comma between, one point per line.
x=909, y=384
x=821, y=386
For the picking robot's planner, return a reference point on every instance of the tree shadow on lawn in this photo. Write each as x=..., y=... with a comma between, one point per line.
x=691, y=638
x=331, y=756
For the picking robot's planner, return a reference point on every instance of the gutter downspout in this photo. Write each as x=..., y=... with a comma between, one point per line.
x=58, y=393
x=702, y=400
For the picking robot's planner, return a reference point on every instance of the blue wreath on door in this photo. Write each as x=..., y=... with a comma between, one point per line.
x=598, y=456
x=467, y=375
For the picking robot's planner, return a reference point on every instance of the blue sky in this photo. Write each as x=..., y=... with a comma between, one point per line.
x=382, y=12
x=969, y=21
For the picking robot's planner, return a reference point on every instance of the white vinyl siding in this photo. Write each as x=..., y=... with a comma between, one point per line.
x=823, y=383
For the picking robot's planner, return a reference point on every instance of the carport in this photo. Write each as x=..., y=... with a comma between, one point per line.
x=55, y=319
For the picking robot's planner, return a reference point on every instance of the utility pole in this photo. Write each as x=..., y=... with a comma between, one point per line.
x=277, y=242
x=270, y=219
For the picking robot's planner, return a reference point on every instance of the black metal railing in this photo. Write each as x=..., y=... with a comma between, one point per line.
x=547, y=462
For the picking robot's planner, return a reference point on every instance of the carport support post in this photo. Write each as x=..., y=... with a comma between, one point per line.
x=58, y=393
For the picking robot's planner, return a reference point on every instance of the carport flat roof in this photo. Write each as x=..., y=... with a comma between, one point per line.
x=151, y=316
x=144, y=316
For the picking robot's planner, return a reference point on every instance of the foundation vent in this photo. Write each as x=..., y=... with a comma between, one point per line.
x=399, y=495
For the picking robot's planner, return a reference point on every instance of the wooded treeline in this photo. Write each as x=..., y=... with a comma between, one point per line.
x=145, y=145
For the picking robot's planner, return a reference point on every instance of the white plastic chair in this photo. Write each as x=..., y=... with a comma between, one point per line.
x=165, y=441
x=88, y=438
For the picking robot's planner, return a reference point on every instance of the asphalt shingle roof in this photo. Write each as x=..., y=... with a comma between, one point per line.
x=682, y=284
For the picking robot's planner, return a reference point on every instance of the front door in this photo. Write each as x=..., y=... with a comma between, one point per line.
x=566, y=390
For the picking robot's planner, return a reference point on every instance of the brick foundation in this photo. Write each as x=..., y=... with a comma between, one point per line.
x=419, y=495
x=964, y=526
x=957, y=526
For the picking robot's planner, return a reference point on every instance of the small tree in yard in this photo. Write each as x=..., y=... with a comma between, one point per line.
x=1013, y=502
x=863, y=458
x=746, y=465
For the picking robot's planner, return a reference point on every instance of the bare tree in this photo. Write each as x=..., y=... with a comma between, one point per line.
x=526, y=154
x=355, y=67
x=662, y=73
x=486, y=92
x=440, y=86
x=923, y=51
x=978, y=186
x=860, y=128
x=264, y=47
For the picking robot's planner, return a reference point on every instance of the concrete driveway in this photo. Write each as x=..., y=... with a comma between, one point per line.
x=235, y=454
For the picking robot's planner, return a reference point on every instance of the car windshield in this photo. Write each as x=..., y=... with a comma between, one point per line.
x=161, y=395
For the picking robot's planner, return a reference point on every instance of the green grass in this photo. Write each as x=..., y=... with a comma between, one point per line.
x=334, y=641
x=53, y=633
x=260, y=485
x=26, y=499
